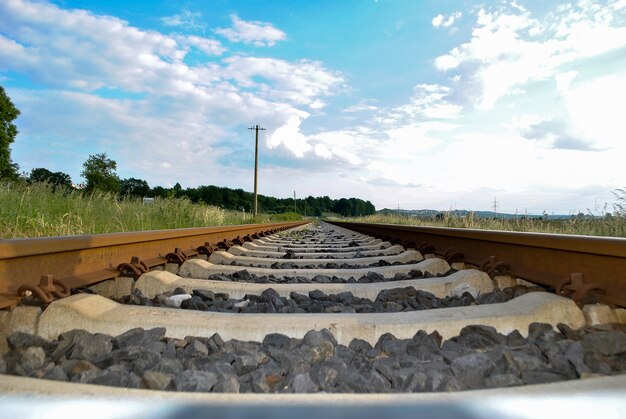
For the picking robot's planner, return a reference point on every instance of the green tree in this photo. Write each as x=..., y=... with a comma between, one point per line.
x=8, y=131
x=134, y=187
x=99, y=171
x=41, y=174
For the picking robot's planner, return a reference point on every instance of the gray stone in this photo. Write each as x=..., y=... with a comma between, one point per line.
x=21, y=340
x=472, y=369
x=256, y=382
x=245, y=364
x=116, y=378
x=317, y=295
x=321, y=344
x=375, y=276
x=365, y=382
x=605, y=343
x=298, y=298
x=90, y=347
x=155, y=380
x=56, y=373
x=517, y=362
x=77, y=366
x=170, y=366
x=296, y=361
x=493, y=297
x=302, y=383
x=215, y=343
x=503, y=380
x=86, y=376
x=324, y=375
x=269, y=295
x=541, y=377
x=196, y=381
x=480, y=337
x=277, y=340
x=196, y=348
x=139, y=337
x=575, y=354
x=205, y=294
x=177, y=300
x=360, y=345
x=242, y=275
x=515, y=339
x=558, y=362
x=228, y=383
x=33, y=358
x=540, y=331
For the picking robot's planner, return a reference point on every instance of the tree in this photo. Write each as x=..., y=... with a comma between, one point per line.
x=55, y=178
x=134, y=187
x=8, y=131
x=99, y=171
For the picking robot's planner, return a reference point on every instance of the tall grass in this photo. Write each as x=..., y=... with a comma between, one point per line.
x=38, y=210
x=612, y=226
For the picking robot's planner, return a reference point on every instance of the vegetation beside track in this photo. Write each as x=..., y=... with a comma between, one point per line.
x=41, y=210
x=609, y=225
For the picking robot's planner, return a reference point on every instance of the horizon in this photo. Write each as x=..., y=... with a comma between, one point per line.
x=413, y=104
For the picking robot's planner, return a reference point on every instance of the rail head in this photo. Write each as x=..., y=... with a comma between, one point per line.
x=86, y=259
x=554, y=260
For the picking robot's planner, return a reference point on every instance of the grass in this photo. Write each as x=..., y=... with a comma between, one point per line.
x=613, y=226
x=38, y=210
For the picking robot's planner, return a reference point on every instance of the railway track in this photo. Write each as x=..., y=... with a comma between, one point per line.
x=433, y=314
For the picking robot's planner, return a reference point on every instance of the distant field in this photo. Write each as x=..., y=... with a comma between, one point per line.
x=613, y=226
x=39, y=211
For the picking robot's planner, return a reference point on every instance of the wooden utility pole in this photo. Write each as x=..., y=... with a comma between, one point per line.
x=256, y=128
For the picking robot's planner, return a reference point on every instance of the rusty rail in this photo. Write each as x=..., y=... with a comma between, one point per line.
x=570, y=264
x=77, y=261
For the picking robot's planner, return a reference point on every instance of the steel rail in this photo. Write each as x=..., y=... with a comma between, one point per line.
x=547, y=259
x=87, y=259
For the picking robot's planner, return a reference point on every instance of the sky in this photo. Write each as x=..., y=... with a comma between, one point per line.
x=433, y=104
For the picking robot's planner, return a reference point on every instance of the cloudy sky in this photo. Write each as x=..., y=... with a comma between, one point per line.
x=417, y=104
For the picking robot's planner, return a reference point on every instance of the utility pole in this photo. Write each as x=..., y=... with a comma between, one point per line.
x=295, y=209
x=495, y=208
x=256, y=128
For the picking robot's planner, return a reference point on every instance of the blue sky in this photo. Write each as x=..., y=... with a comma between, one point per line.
x=417, y=104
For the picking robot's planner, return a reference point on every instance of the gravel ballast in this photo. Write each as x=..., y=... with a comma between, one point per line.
x=370, y=277
x=477, y=358
x=269, y=301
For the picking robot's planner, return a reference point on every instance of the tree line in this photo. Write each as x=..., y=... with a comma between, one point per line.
x=100, y=174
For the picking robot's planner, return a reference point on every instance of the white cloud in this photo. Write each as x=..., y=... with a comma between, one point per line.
x=208, y=46
x=563, y=80
x=437, y=20
x=299, y=82
x=289, y=135
x=317, y=104
x=596, y=110
x=177, y=102
x=260, y=34
x=187, y=18
x=441, y=21
x=510, y=48
x=360, y=107
x=430, y=101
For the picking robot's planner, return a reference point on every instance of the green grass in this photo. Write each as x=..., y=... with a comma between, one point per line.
x=613, y=226
x=38, y=210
